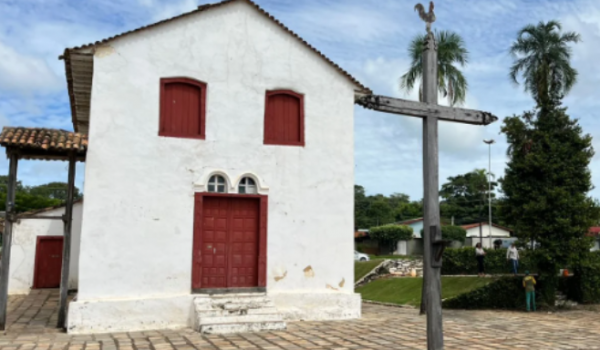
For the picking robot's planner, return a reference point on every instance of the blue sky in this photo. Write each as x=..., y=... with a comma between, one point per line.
x=369, y=38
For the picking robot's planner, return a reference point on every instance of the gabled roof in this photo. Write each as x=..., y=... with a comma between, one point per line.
x=470, y=226
x=409, y=222
x=594, y=231
x=83, y=58
x=42, y=143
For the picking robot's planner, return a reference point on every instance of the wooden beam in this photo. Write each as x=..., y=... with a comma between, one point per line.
x=423, y=109
x=7, y=237
x=66, y=258
x=47, y=217
x=431, y=199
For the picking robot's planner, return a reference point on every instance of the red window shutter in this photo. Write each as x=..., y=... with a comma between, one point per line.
x=284, y=118
x=182, y=111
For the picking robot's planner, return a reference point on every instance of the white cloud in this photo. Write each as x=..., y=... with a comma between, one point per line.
x=25, y=74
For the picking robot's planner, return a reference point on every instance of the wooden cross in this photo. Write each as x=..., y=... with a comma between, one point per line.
x=431, y=112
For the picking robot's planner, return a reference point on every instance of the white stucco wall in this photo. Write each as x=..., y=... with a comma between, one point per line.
x=25, y=233
x=138, y=218
x=485, y=231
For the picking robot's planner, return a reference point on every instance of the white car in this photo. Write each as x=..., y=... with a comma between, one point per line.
x=360, y=256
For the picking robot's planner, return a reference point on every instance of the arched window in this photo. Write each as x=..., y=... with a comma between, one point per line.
x=247, y=186
x=217, y=184
x=182, y=108
x=284, y=118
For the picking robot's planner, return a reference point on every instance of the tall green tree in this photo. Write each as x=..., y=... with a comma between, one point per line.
x=465, y=196
x=542, y=55
x=452, y=53
x=547, y=179
x=546, y=185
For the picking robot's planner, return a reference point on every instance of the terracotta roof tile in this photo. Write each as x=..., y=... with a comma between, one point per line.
x=51, y=140
x=219, y=4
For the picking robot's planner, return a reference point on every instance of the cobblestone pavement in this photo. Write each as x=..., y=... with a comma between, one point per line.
x=31, y=322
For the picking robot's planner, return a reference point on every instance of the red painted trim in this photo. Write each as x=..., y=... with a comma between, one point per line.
x=37, y=256
x=294, y=94
x=262, y=232
x=162, y=103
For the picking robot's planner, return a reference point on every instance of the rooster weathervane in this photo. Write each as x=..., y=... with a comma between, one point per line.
x=427, y=17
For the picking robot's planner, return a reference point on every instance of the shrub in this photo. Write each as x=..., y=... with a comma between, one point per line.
x=391, y=233
x=461, y=261
x=388, y=235
x=505, y=293
x=453, y=233
x=584, y=286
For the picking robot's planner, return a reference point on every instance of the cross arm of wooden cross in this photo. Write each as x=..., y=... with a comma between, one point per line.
x=421, y=109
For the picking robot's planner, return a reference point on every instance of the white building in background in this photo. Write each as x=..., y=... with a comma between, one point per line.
x=36, y=254
x=498, y=232
x=220, y=159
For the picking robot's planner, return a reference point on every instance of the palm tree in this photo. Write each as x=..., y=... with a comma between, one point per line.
x=451, y=50
x=542, y=56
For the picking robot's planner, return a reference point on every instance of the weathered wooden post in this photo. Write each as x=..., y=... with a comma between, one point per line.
x=66, y=258
x=7, y=236
x=431, y=113
x=431, y=203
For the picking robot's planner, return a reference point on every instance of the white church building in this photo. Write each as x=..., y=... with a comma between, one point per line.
x=219, y=178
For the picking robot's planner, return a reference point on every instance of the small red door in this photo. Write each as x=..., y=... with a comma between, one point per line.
x=243, y=243
x=227, y=239
x=214, y=242
x=48, y=262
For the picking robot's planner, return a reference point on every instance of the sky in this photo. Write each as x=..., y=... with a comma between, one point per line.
x=368, y=38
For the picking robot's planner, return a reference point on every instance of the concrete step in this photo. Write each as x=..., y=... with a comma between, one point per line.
x=237, y=295
x=210, y=320
x=237, y=312
x=227, y=328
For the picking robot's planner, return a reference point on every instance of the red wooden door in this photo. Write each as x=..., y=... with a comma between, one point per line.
x=48, y=262
x=243, y=240
x=215, y=222
x=226, y=243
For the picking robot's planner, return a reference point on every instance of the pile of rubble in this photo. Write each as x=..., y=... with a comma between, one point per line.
x=408, y=268
x=393, y=268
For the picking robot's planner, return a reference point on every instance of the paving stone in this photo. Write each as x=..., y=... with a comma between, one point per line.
x=32, y=321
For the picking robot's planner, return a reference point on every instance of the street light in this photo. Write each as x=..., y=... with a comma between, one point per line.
x=489, y=143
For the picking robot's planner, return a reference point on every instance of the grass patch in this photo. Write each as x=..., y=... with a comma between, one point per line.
x=361, y=268
x=408, y=290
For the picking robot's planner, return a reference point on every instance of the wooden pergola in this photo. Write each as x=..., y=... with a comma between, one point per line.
x=39, y=144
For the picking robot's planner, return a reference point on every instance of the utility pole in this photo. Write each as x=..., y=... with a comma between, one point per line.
x=489, y=143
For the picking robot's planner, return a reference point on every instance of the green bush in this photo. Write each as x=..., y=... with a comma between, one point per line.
x=584, y=286
x=391, y=233
x=505, y=293
x=453, y=233
x=461, y=261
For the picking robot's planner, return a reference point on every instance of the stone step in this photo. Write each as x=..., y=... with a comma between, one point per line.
x=220, y=312
x=227, y=328
x=255, y=300
x=236, y=313
x=237, y=295
x=210, y=320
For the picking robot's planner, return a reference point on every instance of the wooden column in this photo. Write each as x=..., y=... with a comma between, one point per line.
x=66, y=259
x=431, y=203
x=7, y=236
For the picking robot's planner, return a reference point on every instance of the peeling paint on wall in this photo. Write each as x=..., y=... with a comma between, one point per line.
x=342, y=283
x=309, y=272
x=328, y=286
x=279, y=278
